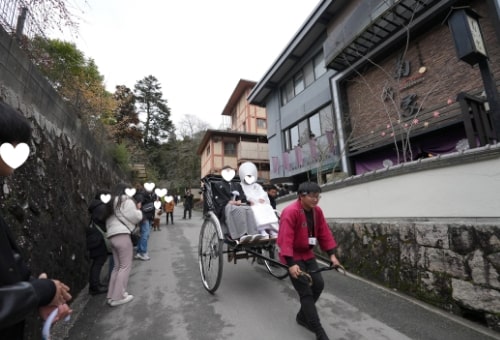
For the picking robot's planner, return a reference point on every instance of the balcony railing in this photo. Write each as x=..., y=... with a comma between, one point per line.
x=253, y=151
x=318, y=152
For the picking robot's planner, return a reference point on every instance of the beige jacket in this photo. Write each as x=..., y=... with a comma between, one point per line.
x=124, y=219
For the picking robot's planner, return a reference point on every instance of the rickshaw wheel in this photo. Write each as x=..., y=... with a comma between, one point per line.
x=275, y=270
x=210, y=251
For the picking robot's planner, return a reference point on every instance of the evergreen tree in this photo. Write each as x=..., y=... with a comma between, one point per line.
x=156, y=121
x=126, y=117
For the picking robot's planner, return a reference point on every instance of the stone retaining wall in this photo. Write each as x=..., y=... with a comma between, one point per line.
x=45, y=201
x=452, y=265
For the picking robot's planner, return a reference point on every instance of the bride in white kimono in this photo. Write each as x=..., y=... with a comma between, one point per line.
x=264, y=214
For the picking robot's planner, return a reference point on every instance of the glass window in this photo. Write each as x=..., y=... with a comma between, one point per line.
x=289, y=91
x=319, y=65
x=315, y=125
x=283, y=96
x=294, y=136
x=298, y=82
x=304, y=132
x=229, y=149
x=326, y=119
x=286, y=137
x=208, y=150
x=261, y=123
x=309, y=73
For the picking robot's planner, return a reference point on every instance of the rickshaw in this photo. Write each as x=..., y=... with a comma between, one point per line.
x=215, y=245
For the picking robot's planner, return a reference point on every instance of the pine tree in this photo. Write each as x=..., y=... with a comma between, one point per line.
x=155, y=111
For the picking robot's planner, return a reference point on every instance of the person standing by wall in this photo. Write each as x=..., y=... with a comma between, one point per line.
x=122, y=220
x=20, y=293
x=188, y=203
x=302, y=226
x=96, y=242
x=144, y=200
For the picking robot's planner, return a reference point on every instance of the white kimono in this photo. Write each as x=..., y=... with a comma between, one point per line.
x=264, y=214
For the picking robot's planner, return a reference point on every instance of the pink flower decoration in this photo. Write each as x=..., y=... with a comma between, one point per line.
x=382, y=134
x=436, y=114
x=388, y=126
x=406, y=125
x=450, y=101
x=415, y=121
x=392, y=134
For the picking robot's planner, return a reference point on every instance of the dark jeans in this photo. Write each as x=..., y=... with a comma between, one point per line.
x=309, y=294
x=171, y=214
x=187, y=209
x=95, y=271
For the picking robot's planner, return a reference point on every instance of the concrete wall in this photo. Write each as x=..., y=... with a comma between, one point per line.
x=45, y=201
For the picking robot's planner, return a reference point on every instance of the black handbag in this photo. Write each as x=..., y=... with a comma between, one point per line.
x=135, y=235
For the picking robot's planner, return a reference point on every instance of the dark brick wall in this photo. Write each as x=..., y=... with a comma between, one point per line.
x=446, y=76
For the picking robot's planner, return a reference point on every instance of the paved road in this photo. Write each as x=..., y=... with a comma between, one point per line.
x=170, y=303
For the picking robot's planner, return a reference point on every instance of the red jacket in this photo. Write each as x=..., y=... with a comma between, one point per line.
x=293, y=235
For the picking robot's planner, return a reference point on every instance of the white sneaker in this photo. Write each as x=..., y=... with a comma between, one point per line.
x=143, y=257
x=114, y=303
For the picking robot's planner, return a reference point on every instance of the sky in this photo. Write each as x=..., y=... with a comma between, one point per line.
x=198, y=50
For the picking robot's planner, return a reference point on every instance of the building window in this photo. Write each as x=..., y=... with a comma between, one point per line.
x=229, y=149
x=284, y=99
x=286, y=140
x=208, y=150
x=261, y=123
x=319, y=65
x=304, y=132
x=289, y=91
x=311, y=71
x=294, y=136
x=326, y=119
x=314, y=126
x=298, y=82
x=309, y=74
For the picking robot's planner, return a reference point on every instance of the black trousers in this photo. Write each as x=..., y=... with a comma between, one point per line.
x=187, y=210
x=95, y=271
x=171, y=214
x=308, y=295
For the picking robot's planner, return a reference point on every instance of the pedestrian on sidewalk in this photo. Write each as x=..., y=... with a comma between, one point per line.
x=188, y=203
x=123, y=217
x=169, y=208
x=145, y=200
x=302, y=226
